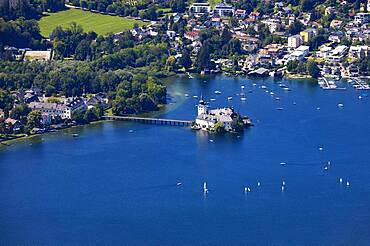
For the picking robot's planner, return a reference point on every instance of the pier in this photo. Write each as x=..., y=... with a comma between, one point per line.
x=360, y=84
x=153, y=121
x=327, y=84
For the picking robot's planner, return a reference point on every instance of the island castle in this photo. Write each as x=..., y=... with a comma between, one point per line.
x=213, y=119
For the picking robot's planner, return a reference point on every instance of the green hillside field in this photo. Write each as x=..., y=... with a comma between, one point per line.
x=99, y=23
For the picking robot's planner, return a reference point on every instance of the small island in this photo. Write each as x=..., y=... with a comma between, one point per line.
x=219, y=120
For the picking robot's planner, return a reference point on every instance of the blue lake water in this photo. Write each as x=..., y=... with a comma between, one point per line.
x=115, y=187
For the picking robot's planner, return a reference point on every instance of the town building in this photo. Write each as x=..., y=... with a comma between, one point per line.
x=295, y=41
x=222, y=10
x=193, y=36
x=13, y=125
x=338, y=54
x=362, y=18
x=241, y=13
x=62, y=110
x=307, y=35
x=37, y=55
x=200, y=8
x=300, y=53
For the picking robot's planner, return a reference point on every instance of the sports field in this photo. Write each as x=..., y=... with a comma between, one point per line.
x=99, y=23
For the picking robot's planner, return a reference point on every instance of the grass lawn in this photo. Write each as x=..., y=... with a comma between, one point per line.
x=99, y=23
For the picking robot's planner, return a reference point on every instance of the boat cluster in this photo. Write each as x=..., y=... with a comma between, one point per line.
x=248, y=189
x=242, y=93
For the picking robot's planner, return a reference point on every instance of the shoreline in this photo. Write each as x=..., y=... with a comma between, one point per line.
x=7, y=143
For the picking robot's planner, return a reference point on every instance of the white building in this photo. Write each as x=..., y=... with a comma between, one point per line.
x=300, y=53
x=324, y=52
x=338, y=54
x=62, y=110
x=362, y=18
x=359, y=51
x=206, y=119
x=200, y=8
x=295, y=41
x=222, y=9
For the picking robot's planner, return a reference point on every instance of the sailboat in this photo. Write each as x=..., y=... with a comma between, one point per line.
x=205, y=189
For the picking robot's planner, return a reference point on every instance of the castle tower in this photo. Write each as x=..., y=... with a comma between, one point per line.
x=202, y=107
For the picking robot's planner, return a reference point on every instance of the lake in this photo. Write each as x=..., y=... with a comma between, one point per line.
x=116, y=184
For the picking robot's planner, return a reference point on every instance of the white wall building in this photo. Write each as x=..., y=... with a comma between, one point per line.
x=200, y=8
x=222, y=9
x=206, y=119
x=64, y=111
x=295, y=41
x=362, y=18
x=338, y=54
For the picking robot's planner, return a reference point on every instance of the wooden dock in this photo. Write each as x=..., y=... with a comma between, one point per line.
x=153, y=121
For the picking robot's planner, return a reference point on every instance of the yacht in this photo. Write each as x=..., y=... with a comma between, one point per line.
x=243, y=99
x=217, y=92
x=230, y=98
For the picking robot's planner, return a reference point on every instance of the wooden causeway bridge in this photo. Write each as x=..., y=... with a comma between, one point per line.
x=153, y=121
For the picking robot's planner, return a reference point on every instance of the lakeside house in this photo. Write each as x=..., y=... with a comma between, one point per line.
x=63, y=110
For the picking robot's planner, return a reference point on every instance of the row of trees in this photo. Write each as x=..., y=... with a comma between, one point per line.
x=309, y=68
x=216, y=45
x=21, y=33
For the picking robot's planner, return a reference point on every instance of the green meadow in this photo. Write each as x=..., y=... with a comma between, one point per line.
x=99, y=23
